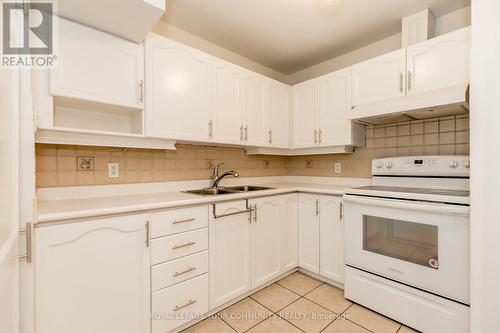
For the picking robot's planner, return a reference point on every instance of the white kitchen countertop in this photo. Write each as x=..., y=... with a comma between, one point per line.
x=51, y=210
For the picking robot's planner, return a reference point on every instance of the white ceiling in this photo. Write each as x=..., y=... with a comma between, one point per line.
x=289, y=35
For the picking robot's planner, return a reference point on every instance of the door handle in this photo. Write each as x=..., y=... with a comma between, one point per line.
x=141, y=91
x=270, y=136
x=246, y=133
x=241, y=133
x=315, y=136
x=341, y=211
x=409, y=81
x=29, y=238
x=180, y=246
x=148, y=234
x=401, y=82
x=210, y=129
x=320, y=136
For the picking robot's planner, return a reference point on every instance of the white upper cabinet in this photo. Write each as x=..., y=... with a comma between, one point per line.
x=279, y=110
x=98, y=269
x=178, y=90
x=267, y=217
x=331, y=238
x=304, y=97
x=254, y=109
x=95, y=66
x=334, y=105
x=439, y=62
x=379, y=78
x=226, y=120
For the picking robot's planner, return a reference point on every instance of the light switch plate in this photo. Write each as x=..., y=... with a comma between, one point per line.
x=113, y=170
x=338, y=167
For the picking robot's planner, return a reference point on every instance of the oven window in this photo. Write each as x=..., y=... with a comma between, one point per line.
x=413, y=242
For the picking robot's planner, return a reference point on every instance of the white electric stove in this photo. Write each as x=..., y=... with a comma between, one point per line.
x=407, y=242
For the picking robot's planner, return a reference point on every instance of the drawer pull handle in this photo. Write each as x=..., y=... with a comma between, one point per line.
x=248, y=210
x=183, y=221
x=190, y=302
x=190, y=269
x=175, y=247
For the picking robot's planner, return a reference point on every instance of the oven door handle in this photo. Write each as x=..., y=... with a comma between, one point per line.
x=409, y=205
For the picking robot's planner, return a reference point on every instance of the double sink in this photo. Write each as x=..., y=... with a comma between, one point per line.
x=228, y=190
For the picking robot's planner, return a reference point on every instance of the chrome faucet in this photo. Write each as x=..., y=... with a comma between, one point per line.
x=216, y=178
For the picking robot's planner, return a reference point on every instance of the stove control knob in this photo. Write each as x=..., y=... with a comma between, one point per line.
x=379, y=165
x=388, y=165
x=453, y=164
x=467, y=164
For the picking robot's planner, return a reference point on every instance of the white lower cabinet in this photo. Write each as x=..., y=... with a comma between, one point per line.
x=253, y=245
x=289, y=232
x=331, y=240
x=267, y=217
x=309, y=232
x=321, y=236
x=179, y=304
x=230, y=251
x=93, y=276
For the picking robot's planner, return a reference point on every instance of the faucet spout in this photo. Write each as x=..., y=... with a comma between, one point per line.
x=217, y=179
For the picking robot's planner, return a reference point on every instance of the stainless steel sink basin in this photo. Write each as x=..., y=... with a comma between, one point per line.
x=211, y=191
x=248, y=188
x=228, y=190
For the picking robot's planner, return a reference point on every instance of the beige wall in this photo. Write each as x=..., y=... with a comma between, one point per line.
x=185, y=37
x=56, y=165
x=444, y=24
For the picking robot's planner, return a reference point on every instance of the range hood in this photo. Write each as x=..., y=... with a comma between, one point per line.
x=443, y=102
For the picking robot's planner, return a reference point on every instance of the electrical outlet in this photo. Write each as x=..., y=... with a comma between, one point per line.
x=113, y=170
x=266, y=164
x=85, y=163
x=309, y=164
x=338, y=167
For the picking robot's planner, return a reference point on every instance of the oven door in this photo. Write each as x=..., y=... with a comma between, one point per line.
x=421, y=244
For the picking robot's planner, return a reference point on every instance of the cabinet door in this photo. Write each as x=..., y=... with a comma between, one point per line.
x=439, y=62
x=289, y=232
x=96, y=270
x=226, y=120
x=279, y=110
x=379, y=78
x=178, y=90
x=309, y=232
x=335, y=104
x=96, y=66
x=229, y=253
x=331, y=239
x=255, y=108
x=265, y=239
x=304, y=115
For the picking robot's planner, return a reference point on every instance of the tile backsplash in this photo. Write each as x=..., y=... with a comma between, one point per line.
x=56, y=165
x=436, y=136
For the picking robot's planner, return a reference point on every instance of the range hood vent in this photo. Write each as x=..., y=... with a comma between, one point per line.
x=437, y=103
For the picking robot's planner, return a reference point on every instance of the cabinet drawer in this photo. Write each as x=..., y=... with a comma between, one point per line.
x=179, y=304
x=179, y=245
x=178, y=220
x=178, y=270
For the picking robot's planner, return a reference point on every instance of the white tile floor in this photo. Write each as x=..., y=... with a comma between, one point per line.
x=295, y=304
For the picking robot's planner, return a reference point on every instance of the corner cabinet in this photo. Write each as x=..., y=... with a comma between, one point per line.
x=278, y=134
x=321, y=236
x=320, y=112
x=95, y=66
x=93, y=276
x=178, y=90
